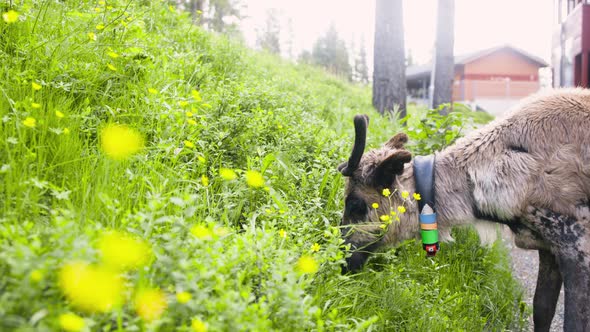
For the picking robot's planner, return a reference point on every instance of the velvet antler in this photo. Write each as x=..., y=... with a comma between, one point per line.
x=361, y=122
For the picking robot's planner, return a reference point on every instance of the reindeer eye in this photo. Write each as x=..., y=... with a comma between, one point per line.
x=355, y=206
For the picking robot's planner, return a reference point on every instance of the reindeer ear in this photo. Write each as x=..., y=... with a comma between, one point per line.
x=390, y=167
x=397, y=141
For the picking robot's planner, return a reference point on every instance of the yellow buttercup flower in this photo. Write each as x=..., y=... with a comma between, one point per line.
x=90, y=288
x=183, y=297
x=196, y=95
x=401, y=209
x=405, y=194
x=201, y=232
x=417, y=196
x=120, y=142
x=112, y=54
x=227, y=174
x=36, y=105
x=112, y=67
x=153, y=91
x=315, y=247
x=36, y=86
x=384, y=217
x=307, y=265
x=123, y=251
x=254, y=179
x=198, y=325
x=66, y=131
x=150, y=304
x=99, y=26
x=59, y=114
x=10, y=16
x=375, y=205
x=36, y=276
x=30, y=122
x=71, y=322
x=183, y=103
x=189, y=144
x=189, y=114
x=282, y=233
x=386, y=192
x=205, y=180
x=191, y=122
x=91, y=36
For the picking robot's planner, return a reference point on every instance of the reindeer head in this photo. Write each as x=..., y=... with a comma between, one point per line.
x=365, y=224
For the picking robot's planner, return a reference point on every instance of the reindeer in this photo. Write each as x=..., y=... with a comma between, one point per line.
x=529, y=171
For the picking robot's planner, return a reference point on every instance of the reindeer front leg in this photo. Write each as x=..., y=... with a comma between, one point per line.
x=547, y=291
x=569, y=241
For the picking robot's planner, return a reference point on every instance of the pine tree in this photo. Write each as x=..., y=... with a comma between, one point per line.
x=444, y=67
x=269, y=38
x=330, y=52
x=389, y=71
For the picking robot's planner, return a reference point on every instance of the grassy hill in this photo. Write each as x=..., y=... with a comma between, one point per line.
x=225, y=218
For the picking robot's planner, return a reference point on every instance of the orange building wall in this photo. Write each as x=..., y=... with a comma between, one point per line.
x=502, y=74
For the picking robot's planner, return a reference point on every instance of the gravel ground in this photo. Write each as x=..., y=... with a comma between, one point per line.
x=525, y=264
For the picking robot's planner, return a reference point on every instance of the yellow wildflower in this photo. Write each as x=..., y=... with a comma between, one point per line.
x=120, y=142
x=90, y=288
x=189, y=144
x=401, y=209
x=36, y=105
x=189, y=114
x=91, y=36
x=392, y=213
x=315, y=247
x=36, y=276
x=112, y=67
x=386, y=192
x=191, y=122
x=384, y=217
x=99, y=26
x=123, y=251
x=59, y=114
x=307, y=265
x=66, y=131
x=183, y=103
x=150, y=304
x=201, y=232
x=30, y=122
x=417, y=196
x=153, y=91
x=196, y=95
x=201, y=159
x=71, y=322
x=405, y=194
x=383, y=226
x=282, y=233
x=205, y=180
x=112, y=54
x=183, y=297
x=254, y=179
x=375, y=205
x=198, y=325
x=10, y=16
x=36, y=86
x=227, y=174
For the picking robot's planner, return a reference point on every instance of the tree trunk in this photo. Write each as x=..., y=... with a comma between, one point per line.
x=389, y=71
x=443, y=71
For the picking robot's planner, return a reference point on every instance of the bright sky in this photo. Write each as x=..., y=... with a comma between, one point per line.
x=479, y=24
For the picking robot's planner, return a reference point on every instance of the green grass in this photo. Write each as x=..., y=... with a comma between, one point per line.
x=59, y=192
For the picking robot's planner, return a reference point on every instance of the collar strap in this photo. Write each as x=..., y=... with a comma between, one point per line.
x=424, y=178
